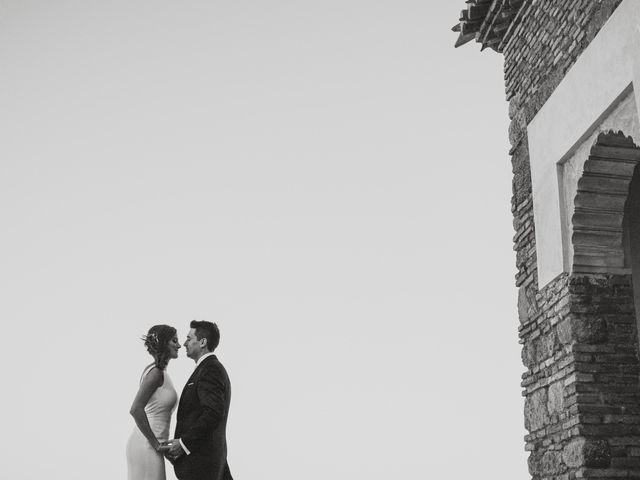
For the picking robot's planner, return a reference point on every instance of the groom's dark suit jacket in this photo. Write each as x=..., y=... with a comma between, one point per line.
x=202, y=421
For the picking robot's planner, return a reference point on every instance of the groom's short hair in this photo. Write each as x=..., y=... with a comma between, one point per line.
x=207, y=330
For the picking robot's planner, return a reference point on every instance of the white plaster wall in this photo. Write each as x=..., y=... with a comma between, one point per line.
x=624, y=117
x=599, y=80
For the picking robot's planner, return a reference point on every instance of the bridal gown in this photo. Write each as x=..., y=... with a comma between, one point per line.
x=143, y=462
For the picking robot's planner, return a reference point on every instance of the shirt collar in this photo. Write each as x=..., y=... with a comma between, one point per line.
x=203, y=357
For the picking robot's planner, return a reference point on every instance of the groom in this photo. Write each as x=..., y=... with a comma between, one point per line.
x=198, y=450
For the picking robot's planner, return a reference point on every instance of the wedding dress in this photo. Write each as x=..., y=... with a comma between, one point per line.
x=143, y=462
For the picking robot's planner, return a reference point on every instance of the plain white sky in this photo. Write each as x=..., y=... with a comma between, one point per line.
x=328, y=181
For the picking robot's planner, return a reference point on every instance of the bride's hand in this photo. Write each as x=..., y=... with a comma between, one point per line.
x=164, y=447
x=172, y=449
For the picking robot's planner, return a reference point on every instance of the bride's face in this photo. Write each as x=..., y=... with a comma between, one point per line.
x=173, y=347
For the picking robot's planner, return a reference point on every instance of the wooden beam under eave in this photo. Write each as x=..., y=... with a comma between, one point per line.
x=463, y=39
x=477, y=12
x=500, y=28
x=493, y=43
x=467, y=28
x=507, y=13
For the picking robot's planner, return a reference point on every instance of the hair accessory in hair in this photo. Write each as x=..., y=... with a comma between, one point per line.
x=151, y=342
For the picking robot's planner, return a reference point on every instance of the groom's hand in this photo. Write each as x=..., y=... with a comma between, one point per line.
x=172, y=449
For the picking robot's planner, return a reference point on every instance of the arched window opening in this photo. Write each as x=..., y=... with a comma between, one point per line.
x=632, y=237
x=599, y=239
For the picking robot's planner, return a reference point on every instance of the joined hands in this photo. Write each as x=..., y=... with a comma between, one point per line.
x=171, y=449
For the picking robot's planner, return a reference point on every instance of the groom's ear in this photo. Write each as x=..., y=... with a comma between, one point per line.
x=203, y=343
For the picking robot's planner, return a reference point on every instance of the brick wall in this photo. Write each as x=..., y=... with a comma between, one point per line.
x=582, y=402
x=545, y=41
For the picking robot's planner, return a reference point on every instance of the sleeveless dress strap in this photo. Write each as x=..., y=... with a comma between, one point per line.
x=146, y=371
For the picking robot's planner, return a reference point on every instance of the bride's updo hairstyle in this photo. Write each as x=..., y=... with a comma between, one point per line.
x=157, y=341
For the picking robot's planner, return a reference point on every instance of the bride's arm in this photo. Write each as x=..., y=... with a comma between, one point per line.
x=150, y=383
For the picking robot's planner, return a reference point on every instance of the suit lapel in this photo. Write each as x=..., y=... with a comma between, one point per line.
x=191, y=379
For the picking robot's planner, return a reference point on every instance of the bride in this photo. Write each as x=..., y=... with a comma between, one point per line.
x=152, y=407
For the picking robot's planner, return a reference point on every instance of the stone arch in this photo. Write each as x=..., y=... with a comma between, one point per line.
x=599, y=236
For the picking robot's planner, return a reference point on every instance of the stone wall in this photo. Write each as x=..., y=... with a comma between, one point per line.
x=582, y=407
x=582, y=402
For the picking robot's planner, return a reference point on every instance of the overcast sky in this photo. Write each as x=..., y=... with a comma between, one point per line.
x=328, y=181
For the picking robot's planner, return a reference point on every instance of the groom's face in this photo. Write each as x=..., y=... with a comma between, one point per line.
x=192, y=345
